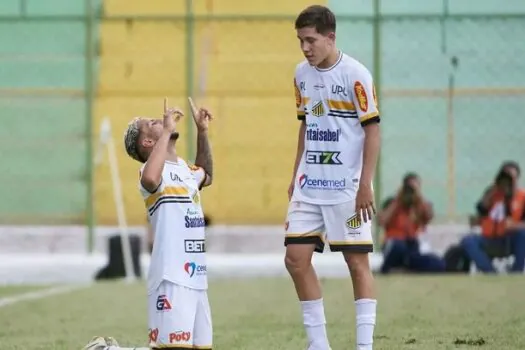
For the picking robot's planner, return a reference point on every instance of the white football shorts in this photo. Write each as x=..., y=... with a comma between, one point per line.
x=179, y=318
x=338, y=224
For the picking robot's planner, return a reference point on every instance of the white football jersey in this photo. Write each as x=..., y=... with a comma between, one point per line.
x=176, y=217
x=335, y=103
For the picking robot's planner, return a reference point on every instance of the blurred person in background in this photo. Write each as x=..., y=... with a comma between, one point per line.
x=501, y=216
x=404, y=218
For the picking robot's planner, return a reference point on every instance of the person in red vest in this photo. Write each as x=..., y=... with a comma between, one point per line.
x=502, y=220
x=403, y=218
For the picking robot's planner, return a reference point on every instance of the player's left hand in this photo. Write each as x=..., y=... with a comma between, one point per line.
x=364, y=203
x=201, y=116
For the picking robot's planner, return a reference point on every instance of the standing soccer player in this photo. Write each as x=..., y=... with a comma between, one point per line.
x=179, y=313
x=331, y=193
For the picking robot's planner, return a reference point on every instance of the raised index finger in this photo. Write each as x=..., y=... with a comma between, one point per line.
x=193, y=107
x=165, y=105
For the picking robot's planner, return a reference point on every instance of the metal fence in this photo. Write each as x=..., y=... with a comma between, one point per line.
x=450, y=88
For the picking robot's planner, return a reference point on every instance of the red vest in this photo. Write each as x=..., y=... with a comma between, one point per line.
x=402, y=226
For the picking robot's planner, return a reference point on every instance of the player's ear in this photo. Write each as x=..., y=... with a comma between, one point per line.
x=331, y=36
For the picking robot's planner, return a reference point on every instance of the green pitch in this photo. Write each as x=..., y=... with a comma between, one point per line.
x=440, y=312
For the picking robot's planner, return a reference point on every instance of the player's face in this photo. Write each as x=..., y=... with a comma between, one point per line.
x=315, y=46
x=151, y=131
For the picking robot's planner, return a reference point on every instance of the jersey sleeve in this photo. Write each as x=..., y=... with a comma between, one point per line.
x=199, y=174
x=364, y=96
x=299, y=102
x=145, y=192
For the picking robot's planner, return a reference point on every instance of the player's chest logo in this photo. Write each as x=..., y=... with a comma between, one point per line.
x=175, y=177
x=318, y=109
x=339, y=90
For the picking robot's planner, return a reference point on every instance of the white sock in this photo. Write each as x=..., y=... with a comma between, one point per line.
x=117, y=348
x=315, y=324
x=365, y=310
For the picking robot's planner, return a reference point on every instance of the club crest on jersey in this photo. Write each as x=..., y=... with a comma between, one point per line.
x=360, y=94
x=196, y=198
x=318, y=109
x=353, y=222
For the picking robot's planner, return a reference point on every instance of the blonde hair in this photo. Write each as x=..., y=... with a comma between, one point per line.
x=131, y=140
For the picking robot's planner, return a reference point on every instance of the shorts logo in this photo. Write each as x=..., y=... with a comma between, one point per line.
x=354, y=222
x=163, y=304
x=153, y=335
x=318, y=109
x=191, y=269
x=179, y=336
x=360, y=95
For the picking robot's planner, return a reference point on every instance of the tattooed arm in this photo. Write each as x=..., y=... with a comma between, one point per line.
x=204, y=158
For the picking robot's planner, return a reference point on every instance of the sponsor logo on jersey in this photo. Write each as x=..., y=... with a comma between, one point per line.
x=193, y=219
x=318, y=109
x=195, y=246
x=193, y=269
x=339, y=90
x=323, y=157
x=162, y=303
x=313, y=133
x=175, y=177
x=360, y=95
x=321, y=184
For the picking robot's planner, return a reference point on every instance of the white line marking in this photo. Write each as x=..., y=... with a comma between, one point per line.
x=39, y=294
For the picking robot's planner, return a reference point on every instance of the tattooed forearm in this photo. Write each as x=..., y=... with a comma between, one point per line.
x=204, y=158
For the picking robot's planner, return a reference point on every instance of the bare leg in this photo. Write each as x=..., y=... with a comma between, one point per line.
x=298, y=262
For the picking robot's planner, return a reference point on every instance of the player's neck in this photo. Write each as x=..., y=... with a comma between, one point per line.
x=330, y=60
x=172, y=153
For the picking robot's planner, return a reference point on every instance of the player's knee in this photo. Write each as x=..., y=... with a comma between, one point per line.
x=357, y=262
x=297, y=261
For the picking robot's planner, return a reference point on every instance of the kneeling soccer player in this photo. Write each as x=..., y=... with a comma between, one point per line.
x=179, y=312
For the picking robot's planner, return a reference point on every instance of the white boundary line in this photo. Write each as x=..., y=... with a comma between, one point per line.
x=39, y=294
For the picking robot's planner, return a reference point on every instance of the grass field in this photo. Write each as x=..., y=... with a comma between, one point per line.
x=414, y=312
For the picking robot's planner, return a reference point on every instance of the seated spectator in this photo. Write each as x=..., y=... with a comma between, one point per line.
x=501, y=213
x=403, y=218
